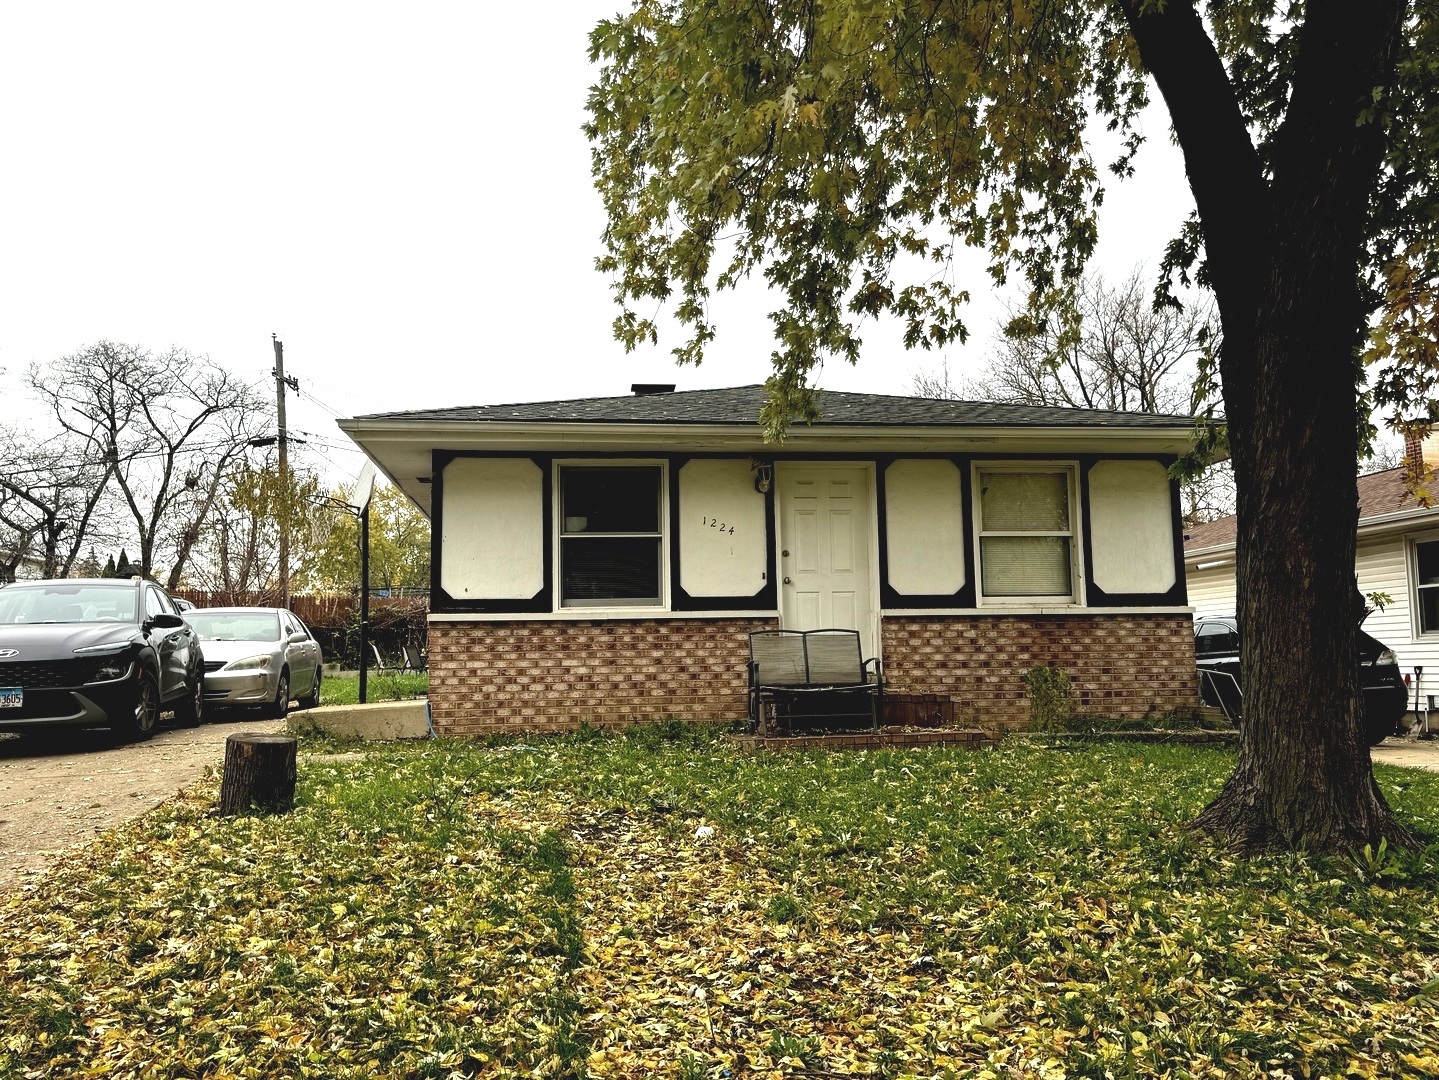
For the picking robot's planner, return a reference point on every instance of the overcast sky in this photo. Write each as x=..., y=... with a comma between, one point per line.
x=401, y=192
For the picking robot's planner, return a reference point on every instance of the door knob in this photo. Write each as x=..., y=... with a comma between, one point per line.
x=787, y=581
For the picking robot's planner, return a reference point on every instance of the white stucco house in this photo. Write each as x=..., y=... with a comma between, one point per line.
x=606, y=559
x=1398, y=554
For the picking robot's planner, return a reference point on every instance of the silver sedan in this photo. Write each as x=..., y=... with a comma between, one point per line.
x=258, y=656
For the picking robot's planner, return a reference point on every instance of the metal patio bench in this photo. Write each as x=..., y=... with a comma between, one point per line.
x=815, y=679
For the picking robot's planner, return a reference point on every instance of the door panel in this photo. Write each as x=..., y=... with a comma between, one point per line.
x=825, y=562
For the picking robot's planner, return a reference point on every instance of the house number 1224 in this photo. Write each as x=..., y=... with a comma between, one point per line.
x=716, y=523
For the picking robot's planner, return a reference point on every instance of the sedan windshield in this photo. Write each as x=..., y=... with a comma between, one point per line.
x=31, y=604
x=235, y=625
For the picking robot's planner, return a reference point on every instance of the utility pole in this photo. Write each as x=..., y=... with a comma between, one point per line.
x=294, y=384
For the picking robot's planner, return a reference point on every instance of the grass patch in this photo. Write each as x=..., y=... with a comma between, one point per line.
x=656, y=905
x=379, y=686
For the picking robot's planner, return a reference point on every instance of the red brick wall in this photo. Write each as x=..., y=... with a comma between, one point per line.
x=489, y=677
x=1118, y=665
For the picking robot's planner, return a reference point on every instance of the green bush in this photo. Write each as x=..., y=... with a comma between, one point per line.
x=1050, y=708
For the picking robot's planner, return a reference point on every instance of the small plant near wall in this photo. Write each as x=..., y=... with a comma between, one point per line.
x=1050, y=707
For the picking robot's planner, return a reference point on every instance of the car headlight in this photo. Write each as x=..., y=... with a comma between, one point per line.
x=109, y=672
x=115, y=665
x=250, y=663
x=1386, y=657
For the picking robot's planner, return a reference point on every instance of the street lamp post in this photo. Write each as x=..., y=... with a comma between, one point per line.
x=359, y=505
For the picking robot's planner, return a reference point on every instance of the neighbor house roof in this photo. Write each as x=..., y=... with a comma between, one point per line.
x=1382, y=495
x=741, y=404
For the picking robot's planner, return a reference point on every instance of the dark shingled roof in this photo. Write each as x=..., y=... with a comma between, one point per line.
x=1380, y=494
x=741, y=405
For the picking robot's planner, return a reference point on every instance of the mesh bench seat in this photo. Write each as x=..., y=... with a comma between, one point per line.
x=812, y=678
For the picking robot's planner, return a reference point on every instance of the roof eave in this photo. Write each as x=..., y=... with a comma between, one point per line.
x=402, y=448
x=468, y=434
x=1368, y=527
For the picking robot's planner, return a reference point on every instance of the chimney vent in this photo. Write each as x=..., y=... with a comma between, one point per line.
x=648, y=389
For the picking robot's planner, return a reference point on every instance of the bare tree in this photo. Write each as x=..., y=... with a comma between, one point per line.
x=167, y=426
x=49, y=495
x=1112, y=350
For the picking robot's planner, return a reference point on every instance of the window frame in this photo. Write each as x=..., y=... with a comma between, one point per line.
x=1074, y=534
x=610, y=606
x=1411, y=569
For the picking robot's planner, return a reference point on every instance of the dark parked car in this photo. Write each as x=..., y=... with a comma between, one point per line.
x=1216, y=648
x=101, y=651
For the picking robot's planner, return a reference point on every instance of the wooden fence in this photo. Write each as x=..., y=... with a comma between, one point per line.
x=335, y=619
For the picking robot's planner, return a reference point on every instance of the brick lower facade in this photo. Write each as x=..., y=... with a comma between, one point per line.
x=490, y=677
x=532, y=676
x=1126, y=666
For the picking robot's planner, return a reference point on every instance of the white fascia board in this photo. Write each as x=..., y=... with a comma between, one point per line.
x=747, y=438
x=1191, y=554
x=1369, y=528
x=1398, y=521
x=402, y=448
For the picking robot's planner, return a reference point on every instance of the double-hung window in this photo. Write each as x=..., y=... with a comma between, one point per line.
x=1026, y=531
x=611, y=542
x=1426, y=585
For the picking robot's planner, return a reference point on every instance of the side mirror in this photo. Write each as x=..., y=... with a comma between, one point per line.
x=166, y=621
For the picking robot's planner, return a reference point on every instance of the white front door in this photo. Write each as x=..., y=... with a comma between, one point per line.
x=826, y=576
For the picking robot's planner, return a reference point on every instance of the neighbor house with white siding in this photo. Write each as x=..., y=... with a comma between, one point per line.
x=1397, y=554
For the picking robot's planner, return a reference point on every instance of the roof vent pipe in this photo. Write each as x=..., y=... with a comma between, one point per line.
x=648, y=389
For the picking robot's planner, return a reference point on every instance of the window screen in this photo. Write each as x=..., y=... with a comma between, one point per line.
x=610, y=536
x=1426, y=585
x=1025, y=533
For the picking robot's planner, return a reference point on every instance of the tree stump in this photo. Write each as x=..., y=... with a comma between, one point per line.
x=259, y=774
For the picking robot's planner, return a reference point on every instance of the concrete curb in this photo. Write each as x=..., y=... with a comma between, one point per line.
x=379, y=720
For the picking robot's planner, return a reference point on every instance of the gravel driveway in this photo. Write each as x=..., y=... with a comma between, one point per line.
x=61, y=790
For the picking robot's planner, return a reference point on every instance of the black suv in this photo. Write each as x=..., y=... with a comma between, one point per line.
x=1216, y=649
x=96, y=651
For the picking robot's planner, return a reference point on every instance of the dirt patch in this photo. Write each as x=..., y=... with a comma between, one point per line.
x=61, y=789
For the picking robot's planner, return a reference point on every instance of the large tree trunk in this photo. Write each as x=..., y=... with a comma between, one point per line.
x=1304, y=774
x=1284, y=245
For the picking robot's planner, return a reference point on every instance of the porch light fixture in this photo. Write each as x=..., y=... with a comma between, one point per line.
x=763, y=474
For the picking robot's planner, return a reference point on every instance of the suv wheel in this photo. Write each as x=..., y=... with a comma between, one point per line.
x=1376, y=732
x=191, y=711
x=145, y=717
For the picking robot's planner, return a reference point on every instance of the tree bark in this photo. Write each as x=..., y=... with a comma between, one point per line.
x=1284, y=252
x=259, y=774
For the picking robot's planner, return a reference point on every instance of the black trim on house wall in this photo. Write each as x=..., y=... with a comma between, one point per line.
x=441, y=602
x=889, y=596
x=767, y=598
x=1094, y=596
x=763, y=599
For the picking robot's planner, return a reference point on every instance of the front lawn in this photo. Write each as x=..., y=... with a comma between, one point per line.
x=643, y=905
x=379, y=686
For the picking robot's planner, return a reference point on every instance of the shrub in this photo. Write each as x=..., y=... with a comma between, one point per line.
x=1050, y=708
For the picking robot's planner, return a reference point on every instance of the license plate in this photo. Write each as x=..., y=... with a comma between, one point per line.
x=12, y=697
